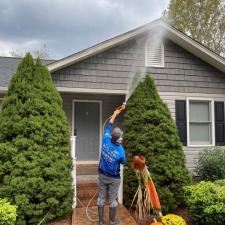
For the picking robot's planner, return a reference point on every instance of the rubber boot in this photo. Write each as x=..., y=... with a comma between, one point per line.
x=101, y=215
x=112, y=216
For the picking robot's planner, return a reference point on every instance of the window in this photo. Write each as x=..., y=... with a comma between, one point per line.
x=154, y=53
x=200, y=122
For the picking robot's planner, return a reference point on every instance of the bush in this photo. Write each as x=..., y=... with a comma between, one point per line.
x=35, y=162
x=151, y=132
x=211, y=164
x=206, y=202
x=7, y=213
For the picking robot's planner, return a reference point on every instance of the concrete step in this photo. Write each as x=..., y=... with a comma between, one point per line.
x=87, y=169
x=85, y=192
x=87, y=179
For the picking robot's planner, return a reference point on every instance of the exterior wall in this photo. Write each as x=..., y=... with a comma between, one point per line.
x=1, y=97
x=183, y=72
x=109, y=104
x=191, y=153
x=183, y=75
x=108, y=70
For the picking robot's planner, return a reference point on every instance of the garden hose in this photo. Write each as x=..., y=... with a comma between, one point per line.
x=87, y=210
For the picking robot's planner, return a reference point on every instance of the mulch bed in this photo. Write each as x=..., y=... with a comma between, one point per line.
x=182, y=211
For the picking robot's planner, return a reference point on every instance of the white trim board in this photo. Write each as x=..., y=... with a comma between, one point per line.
x=3, y=89
x=91, y=91
x=100, y=124
x=81, y=90
x=188, y=94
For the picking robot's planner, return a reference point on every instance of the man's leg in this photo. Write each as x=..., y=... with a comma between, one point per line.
x=101, y=198
x=113, y=196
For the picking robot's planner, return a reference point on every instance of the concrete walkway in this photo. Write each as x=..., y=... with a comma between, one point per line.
x=80, y=218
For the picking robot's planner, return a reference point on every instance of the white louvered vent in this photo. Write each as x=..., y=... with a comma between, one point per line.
x=154, y=53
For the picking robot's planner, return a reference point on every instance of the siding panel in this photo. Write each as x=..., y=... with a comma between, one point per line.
x=183, y=72
x=109, y=104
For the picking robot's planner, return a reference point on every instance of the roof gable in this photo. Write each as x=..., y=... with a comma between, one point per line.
x=170, y=32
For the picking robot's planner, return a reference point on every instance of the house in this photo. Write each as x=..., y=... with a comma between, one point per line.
x=190, y=78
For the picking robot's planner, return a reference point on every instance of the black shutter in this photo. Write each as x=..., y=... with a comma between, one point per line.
x=219, y=123
x=181, y=120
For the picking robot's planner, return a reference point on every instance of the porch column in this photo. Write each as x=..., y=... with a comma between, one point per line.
x=73, y=172
x=120, y=196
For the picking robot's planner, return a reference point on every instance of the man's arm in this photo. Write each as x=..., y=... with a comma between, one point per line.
x=109, y=126
x=115, y=114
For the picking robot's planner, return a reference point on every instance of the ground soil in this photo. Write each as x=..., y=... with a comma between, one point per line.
x=182, y=211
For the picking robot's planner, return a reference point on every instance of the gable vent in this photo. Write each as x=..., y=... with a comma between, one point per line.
x=154, y=53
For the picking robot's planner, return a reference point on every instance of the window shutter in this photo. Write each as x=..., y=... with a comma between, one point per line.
x=219, y=123
x=154, y=53
x=181, y=120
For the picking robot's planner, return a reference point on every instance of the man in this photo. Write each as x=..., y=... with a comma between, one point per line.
x=112, y=155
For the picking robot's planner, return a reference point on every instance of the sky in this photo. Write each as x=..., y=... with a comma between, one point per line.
x=68, y=26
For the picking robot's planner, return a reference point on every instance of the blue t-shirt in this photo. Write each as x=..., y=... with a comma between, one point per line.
x=112, y=155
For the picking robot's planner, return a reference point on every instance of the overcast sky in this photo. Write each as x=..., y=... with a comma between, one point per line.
x=67, y=26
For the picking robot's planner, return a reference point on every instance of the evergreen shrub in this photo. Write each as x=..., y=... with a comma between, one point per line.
x=211, y=164
x=35, y=162
x=7, y=213
x=150, y=131
x=206, y=202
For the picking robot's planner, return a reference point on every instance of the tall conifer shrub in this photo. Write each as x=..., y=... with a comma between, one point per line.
x=151, y=132
x=35, y=161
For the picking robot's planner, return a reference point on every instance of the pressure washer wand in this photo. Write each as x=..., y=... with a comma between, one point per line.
x=122, y=107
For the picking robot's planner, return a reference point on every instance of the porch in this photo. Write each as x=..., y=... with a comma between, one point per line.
x=80, y=217
x=86, y=114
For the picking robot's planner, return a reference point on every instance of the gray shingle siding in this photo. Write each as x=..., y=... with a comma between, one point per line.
x=183, y=72
x=107, y=70
x=109, y=103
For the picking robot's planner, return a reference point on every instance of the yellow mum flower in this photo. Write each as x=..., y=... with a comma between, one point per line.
x=172, y=219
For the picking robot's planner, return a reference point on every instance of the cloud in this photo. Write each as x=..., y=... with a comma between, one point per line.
x=67, y=26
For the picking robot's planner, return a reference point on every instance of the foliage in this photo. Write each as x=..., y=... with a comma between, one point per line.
x=203, y=20
x=206, y=202
x=7, y=213
x=171, y=219
x=35, y=158
x=42, y=53
x=151, y=132
x=211, y=164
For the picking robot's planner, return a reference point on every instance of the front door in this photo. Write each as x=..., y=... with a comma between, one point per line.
x=87, y=130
